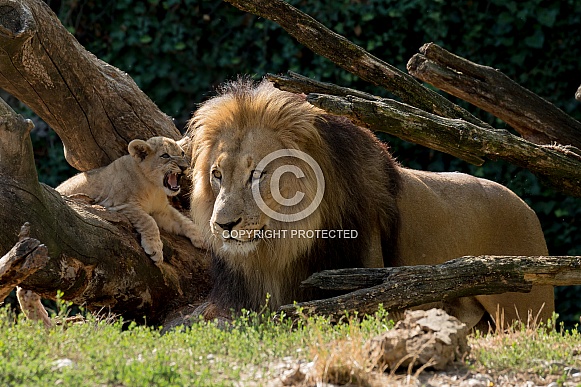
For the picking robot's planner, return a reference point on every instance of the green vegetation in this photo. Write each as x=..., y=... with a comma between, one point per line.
x=179, y=50
x=101, y=352
x=253, y=350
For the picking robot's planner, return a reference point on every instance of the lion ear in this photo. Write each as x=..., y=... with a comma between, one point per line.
x=139, y=149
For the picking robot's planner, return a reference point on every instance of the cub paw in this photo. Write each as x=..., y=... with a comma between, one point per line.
x=153, y=248
x=196, y=238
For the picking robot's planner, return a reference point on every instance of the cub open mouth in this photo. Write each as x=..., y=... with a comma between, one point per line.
x=171, y=181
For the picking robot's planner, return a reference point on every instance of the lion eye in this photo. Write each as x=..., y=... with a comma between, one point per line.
x=217, y=174
x=164, y=156
x=256, y=175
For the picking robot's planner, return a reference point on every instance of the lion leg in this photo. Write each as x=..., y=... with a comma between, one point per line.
x=32, y=307
x=147, y=227
x=176, y=223
x=527, y=308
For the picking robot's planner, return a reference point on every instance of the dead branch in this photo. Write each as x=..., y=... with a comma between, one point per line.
x=560, y=168
x=86, y=101
x=399, y=288
x=353, y=58
x=536, y=119
x=297, y=83
x=24, y=259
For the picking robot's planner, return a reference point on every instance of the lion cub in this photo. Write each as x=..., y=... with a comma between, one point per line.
x=137, y=185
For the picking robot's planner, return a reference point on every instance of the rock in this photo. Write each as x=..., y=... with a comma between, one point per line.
x=423, y=338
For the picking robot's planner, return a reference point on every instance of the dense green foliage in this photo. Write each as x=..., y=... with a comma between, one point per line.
x=177, y=51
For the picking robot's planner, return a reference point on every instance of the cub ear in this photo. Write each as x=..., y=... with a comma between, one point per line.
x=139, y=149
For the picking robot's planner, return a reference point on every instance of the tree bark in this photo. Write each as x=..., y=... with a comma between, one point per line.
x=25, y=258
x=95, y=108
x=95, y=256
x=536, y=119
x=398, y=288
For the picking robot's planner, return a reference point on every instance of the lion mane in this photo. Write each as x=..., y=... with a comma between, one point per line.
x=396, y=216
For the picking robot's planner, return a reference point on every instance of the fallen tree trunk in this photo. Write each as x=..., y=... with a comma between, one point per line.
x=96, y=109
x=96, y=259
x=536, y=119
x=399, y=288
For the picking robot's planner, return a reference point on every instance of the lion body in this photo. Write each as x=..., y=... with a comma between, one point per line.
x=402, y=217
x=450, y=215
x=137, y=185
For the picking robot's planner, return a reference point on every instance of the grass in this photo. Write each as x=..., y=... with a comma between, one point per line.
x=101, y=352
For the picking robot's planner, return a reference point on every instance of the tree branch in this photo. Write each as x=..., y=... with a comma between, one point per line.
x=86, y=101
x=561, y=168
x=536, y=119
x=25, y=258
x=297, y=83
x=399, y=288
x=353, y=58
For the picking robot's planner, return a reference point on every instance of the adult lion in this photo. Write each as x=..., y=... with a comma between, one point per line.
x=251, y=195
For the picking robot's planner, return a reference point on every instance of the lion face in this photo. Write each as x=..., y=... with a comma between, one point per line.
x=162, y=160
x=232, y=134
x=240, y=222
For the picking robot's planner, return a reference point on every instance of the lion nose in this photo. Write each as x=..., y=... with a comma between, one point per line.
x=230, y=225
x=182, y=165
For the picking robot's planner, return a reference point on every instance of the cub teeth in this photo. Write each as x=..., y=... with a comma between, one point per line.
x=172, y=181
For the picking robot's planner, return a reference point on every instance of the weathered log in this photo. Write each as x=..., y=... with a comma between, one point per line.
x=96, y=259
x=25, y=258
x=536, y=119
x=353, y=58
x=398, y=288
x=86, y=101
x=558, y=166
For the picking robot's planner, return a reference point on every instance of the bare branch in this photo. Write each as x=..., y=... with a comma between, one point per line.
x=353, y=58
x=536, y=119
x=24, y=259
x=561, y=169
